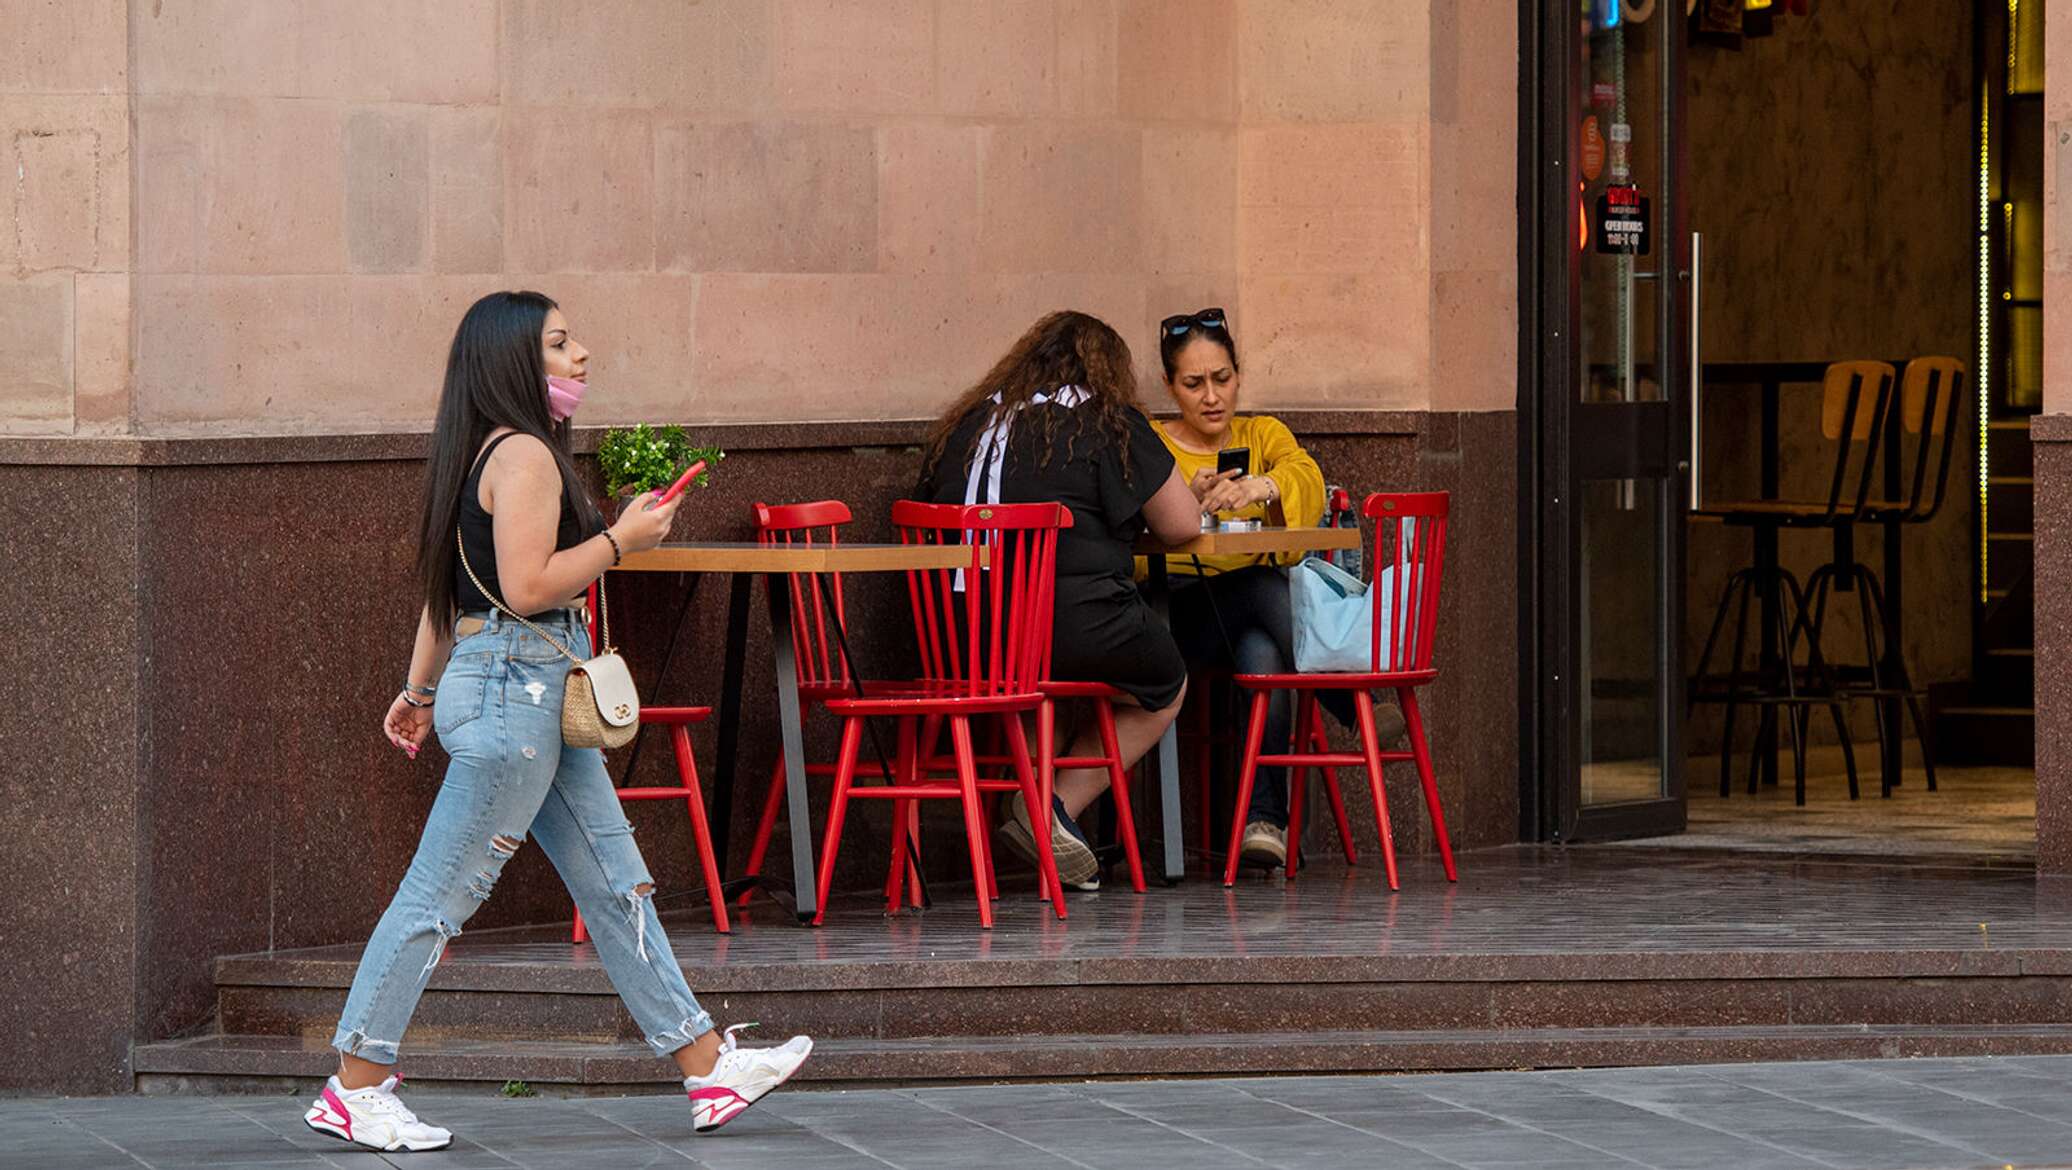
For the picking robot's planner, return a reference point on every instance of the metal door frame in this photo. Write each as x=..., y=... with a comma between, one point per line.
x=1549, y=320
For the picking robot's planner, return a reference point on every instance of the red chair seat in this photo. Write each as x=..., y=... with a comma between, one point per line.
x=1335, y=681
x=944, y=703
x=1076, y=689
x=675, y=714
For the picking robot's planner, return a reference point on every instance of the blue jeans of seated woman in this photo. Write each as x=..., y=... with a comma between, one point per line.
x=1241, y=621
x=498, y=715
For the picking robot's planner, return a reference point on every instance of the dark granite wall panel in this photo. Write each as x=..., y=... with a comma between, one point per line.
x=2053, y=449
x=71, y=881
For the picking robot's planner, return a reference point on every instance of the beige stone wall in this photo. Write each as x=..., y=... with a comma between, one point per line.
x=64, y=217
x=752, y=209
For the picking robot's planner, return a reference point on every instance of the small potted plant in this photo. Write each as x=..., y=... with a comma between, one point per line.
x=642, y=458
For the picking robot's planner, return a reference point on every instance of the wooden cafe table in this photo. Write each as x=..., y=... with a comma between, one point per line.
x=744, y=561
x=1259, y=541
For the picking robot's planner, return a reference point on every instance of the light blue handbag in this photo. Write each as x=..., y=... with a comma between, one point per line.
x=1334, y=618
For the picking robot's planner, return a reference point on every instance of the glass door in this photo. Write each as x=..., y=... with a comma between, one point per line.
x=1613, y=382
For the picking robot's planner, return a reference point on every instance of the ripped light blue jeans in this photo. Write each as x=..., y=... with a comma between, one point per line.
x=498, y=715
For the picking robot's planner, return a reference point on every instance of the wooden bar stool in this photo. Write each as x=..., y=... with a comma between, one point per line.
x=1932, y=392
x=1855, y=401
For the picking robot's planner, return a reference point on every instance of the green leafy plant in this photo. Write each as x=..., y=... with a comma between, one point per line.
x=646, y=459
x=519, y=1089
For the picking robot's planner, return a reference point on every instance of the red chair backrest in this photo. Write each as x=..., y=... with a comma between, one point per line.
x=1410, y=543
x=817, y=523
x=985, y=628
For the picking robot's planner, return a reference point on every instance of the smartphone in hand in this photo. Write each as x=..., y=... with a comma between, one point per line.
x=1238, y=459
x=682, y=481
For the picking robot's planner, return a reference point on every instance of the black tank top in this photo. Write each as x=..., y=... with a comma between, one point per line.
x=479, y=538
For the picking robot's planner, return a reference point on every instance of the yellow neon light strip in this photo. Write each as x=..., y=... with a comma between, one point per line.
x=1983, y=369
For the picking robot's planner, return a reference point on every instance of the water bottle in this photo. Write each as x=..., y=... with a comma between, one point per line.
x=1330, y=517
x=1340, y=514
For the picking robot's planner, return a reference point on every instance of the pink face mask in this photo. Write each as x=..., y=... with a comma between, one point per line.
x=564, y=395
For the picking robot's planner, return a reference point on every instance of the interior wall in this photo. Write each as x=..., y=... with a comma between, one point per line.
x=1831, y=169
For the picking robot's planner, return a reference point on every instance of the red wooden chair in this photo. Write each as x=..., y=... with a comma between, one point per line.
x=823, y=673
x=687, y=789
x=983, y=632
x=1103, y=697
x=1409, y=555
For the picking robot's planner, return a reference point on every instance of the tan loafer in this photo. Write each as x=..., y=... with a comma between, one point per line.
x=1265, y=844
x=1077, y=866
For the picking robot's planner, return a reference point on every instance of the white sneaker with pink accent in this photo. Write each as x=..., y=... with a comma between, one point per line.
x=742, y=1077
x=373, y=1117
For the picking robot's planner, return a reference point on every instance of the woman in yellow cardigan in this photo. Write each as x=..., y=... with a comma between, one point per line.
x=1234, y=613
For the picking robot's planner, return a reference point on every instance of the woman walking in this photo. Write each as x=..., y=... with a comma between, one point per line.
x=509, y=529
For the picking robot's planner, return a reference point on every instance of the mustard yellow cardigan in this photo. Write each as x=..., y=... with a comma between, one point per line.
x=1275, y=455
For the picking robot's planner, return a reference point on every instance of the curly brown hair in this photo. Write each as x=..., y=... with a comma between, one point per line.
x=1065, y=348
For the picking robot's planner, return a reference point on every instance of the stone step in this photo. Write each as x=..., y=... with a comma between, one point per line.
x=982, y=1012
x=278, y=1064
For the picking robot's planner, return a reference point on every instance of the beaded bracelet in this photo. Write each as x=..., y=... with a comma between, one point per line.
x=616, y=553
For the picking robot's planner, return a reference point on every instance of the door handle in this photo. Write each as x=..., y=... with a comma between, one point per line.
x=1697, y=376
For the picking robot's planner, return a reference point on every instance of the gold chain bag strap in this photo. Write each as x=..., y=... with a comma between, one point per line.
x=599, y=707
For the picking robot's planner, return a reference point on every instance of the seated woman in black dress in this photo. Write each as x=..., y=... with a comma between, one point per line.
x=1057, y=419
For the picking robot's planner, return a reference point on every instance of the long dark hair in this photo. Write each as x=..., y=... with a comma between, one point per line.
x=495, y=377
x=1065, y=348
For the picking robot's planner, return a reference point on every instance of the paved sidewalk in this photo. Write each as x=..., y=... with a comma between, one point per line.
x=1864, y=1115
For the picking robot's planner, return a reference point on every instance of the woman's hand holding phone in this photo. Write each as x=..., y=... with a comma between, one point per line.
x=1229, y=493
x=1206, y=481
x=643, y=523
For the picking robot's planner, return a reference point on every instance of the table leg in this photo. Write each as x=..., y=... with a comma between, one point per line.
x=1770, y=581
x=1166, y=757
x=1891, y=657
x=1889, y=666
x=803, y=875
x=727, y=771
x=1767, y=571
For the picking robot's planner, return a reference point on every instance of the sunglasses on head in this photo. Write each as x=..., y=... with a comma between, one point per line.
x=1185, y=322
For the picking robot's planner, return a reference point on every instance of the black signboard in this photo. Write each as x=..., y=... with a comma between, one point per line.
x=1622, y=220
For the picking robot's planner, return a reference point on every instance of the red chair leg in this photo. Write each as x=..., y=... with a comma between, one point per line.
x=913, y=830
x=1039, y=815
x=773, y=800
x=896, y=870
x=1298, y=777
x=974, y=815
x=1413, y=720
x=1046, y=767
x=1320, y=742
x=701, y=831
x=1255, y=733
x=1370, y=743
x=1119, y=788
x=1204, y=761
x=845, y=774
